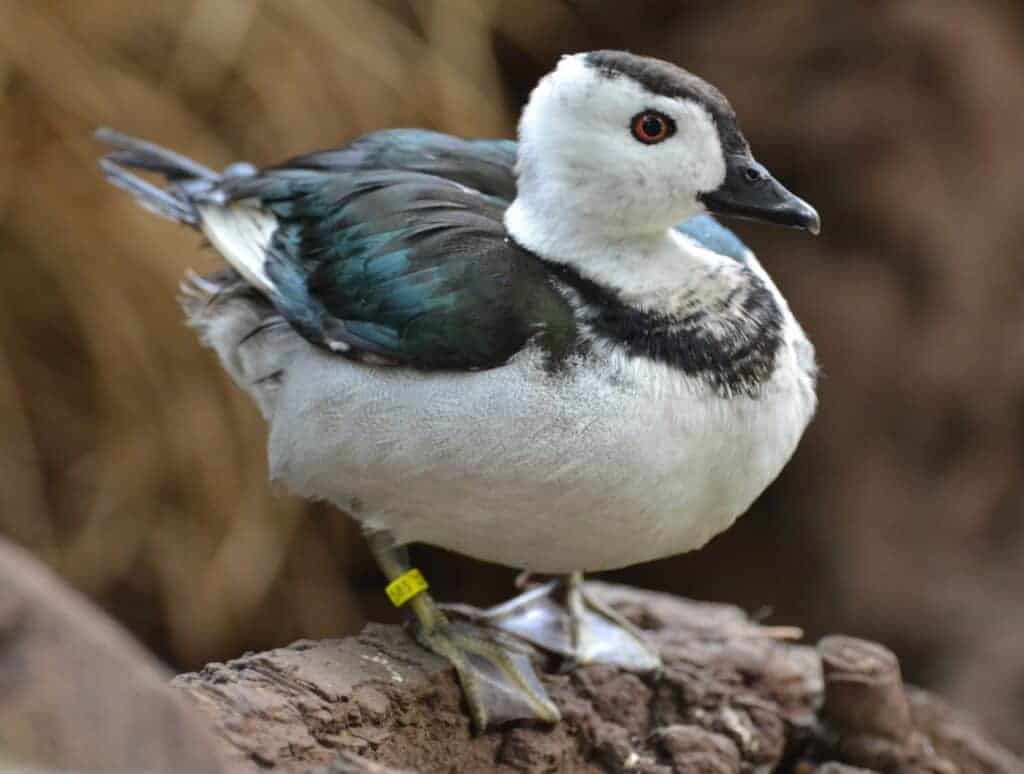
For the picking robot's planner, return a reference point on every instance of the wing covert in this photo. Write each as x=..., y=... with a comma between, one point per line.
x=406, y=266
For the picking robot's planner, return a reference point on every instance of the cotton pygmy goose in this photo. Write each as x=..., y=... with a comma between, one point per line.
x=545, y=354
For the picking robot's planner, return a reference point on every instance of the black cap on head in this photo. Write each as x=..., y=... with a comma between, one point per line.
x=668, y=80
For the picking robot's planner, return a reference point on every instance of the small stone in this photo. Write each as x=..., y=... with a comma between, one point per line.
x=373, y=704
x=530, y=750
x=375, y=736
x=617, y=696
x=693, y=750
x=832, y=767
x=345, y=740
x=863, y=689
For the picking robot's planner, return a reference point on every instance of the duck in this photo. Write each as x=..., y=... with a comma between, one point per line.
x=545, y=353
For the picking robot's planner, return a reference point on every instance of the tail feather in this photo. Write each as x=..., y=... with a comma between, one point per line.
x=193, y=196
x=140, y=154
x=235, y=311
x=188, y=180
x=165, y=202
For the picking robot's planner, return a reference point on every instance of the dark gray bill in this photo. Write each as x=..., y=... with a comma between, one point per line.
x=750, y=191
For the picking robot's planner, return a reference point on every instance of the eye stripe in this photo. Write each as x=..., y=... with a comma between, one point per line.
x=651, y=127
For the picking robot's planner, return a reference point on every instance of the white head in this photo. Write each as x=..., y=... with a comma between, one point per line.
x=614, y=147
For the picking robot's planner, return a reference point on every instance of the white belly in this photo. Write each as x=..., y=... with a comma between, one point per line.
x=587, y=470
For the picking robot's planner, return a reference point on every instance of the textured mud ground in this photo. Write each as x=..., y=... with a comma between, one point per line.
x=76, y=693
x=733, y=696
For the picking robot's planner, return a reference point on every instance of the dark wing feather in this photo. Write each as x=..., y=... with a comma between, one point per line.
x=486, y=166
x=408, y=266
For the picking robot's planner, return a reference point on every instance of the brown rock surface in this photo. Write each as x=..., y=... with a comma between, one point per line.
x=77, y=692
x=733, y=696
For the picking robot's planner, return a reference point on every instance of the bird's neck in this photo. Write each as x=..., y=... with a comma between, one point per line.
x=651, y=268
x=658, y=295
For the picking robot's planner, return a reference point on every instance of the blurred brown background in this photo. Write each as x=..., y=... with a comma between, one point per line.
x=130, y=464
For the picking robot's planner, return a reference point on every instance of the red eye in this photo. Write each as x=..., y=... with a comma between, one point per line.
x=651, y=127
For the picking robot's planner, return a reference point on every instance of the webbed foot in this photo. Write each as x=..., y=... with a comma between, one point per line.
x=497, y=678
x=583, y=629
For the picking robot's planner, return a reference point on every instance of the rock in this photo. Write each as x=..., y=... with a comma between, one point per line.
x=863, y=689
x=77, y=692
x=733, y=696
x=696, y=751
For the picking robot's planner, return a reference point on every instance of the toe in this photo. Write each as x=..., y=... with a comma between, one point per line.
x=498, y=682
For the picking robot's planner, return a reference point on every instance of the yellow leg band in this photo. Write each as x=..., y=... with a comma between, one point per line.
x=406, y=586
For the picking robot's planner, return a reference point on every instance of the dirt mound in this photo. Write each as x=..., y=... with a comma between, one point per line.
x=733, y=696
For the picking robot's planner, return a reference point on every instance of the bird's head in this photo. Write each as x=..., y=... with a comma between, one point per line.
x=625, y=143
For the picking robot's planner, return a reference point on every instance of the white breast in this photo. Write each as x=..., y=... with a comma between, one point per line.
x=599, y=467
